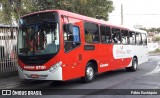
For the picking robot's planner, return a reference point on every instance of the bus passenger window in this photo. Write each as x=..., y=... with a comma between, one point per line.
x=88, y=37
x=125, y=38
x=72, y=40
x=132, y=39
x=91, y=32
x=144, y=39
x=138, y=39
x=105, y=34
x=116, y=38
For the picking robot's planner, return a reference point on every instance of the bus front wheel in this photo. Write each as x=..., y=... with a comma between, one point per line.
x=89, y=73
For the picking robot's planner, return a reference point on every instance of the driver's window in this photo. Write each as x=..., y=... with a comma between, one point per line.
x=72, y=39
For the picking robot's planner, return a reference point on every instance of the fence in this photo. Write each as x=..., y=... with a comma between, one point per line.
x=8, y=49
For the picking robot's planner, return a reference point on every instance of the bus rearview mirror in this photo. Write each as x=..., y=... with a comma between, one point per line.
x=68, y=28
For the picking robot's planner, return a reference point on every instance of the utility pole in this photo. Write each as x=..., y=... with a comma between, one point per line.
x=121, y=14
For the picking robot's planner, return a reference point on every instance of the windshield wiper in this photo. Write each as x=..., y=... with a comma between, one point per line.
x=24, y=50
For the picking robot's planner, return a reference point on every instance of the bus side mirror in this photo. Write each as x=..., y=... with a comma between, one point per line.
x=68, y=28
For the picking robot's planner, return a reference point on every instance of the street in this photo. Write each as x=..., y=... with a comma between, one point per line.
x=146, y=77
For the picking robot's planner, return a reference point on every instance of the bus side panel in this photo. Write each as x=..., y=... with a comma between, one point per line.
x=123, y=54
x=105, y=57
x=112, y=57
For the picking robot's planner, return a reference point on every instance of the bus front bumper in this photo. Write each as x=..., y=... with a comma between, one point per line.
x=41, y=75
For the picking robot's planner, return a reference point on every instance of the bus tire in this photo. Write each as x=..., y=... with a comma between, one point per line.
x=134, y=66
x=89, y=73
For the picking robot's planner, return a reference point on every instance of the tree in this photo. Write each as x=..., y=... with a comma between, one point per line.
x=12, y=9
x=156, y=30
x=90, y=8
x=156, y=39
x=6, y=15
x=16, y=8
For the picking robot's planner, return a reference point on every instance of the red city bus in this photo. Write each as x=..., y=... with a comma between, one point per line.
x=60, y=45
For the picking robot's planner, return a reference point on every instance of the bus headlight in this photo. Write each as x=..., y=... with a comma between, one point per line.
x=55, y=66
x=19, y=67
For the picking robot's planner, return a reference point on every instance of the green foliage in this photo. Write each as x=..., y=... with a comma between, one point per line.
x=156, y=38
x=17, y=8
x=91, y=8
x=151, y=29
x=6, y=15
x=155, y=51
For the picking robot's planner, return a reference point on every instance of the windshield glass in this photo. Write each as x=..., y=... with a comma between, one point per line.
x=38, y=38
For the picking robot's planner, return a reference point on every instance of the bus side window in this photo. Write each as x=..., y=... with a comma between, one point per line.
x=116, y=38
x=132, y=39
x=125, y=39
x=105, y=34
x=108, y=35
x=91, y=32
x=144, y=39
x=138, y=39
x=72, y=40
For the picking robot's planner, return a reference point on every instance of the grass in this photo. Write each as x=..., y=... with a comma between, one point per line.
x=156, y=51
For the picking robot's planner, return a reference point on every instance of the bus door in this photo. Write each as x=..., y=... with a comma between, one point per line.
x=73, y=49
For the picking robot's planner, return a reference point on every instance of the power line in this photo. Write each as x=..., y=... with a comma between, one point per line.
x=137, y=14
x=142, y=14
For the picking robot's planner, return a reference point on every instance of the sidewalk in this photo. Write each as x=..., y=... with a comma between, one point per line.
x=10, y=82
x=4, y=75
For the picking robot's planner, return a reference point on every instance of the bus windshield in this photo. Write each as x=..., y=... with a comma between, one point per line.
x=39, y=38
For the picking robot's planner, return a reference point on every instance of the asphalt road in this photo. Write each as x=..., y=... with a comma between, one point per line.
x=146, y=77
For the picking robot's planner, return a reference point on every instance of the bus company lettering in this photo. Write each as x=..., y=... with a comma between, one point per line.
x=35, y=67
x=103, y=65
x=29, y=67
x=119, y=51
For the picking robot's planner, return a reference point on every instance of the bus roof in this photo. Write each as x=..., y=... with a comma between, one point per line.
x=86, y=18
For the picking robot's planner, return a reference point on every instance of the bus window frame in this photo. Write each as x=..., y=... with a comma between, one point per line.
x=98, y=27
x=105, y=34
x=134, y=37
x=64, y=42
x=139, y=43
x=119, y=35
x=128, y=41
x=145, y=39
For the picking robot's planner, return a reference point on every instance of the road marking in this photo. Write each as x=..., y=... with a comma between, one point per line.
x=155, y=71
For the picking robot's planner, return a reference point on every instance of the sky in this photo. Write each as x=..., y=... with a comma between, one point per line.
x=145, y=13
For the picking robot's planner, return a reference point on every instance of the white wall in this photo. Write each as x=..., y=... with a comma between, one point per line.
x=153, y=46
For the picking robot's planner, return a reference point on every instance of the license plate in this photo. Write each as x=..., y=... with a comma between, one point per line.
x=34, y=76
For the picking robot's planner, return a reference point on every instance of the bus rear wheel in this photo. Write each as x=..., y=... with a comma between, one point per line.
x=134, y=66
x=89, y=73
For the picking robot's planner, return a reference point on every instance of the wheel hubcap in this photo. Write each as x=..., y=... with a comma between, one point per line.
x=89, y=73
